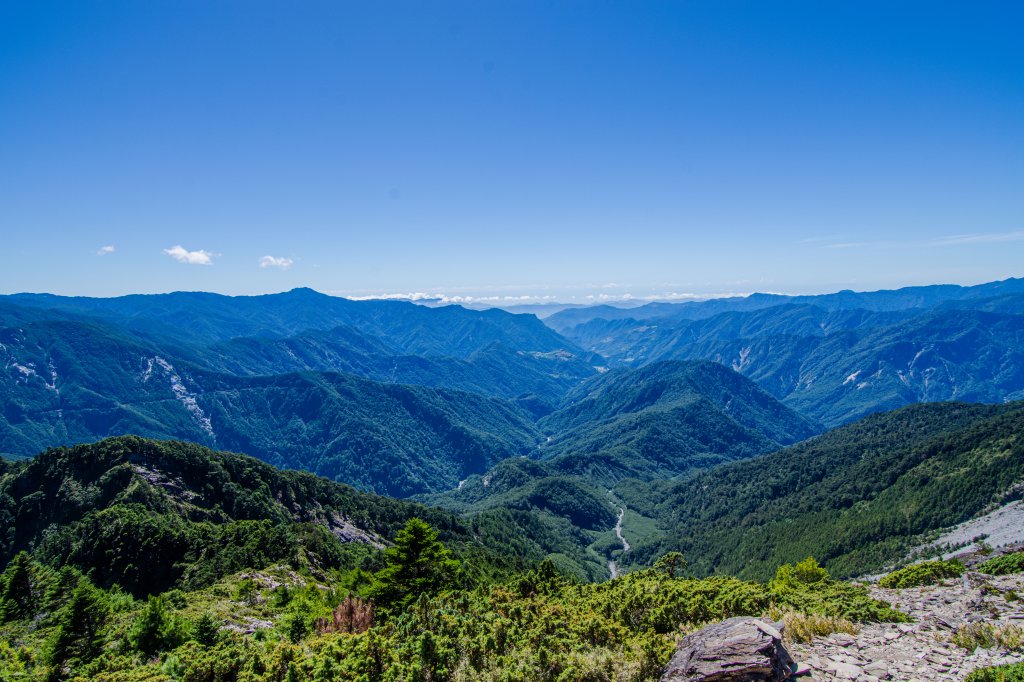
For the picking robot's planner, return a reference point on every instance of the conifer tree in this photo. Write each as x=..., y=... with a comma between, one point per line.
x=79, y=633
x=417, y=564
x=17, y=596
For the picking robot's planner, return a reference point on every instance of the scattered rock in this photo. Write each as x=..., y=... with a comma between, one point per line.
x=735, y=650
x=922, y=650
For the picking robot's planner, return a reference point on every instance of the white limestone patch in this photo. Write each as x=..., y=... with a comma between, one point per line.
x=186, y=397
x=739, y=364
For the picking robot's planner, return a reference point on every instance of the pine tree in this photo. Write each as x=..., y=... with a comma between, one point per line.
x=79, y=633
x=206, y=630
x=17, y=596
x=417, y=564
x=155, y=629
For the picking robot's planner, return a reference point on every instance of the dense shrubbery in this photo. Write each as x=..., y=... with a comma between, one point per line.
x=924, y=573
x=854, y=497
x=1004, y=565
x=537, y=626
x=808, y=588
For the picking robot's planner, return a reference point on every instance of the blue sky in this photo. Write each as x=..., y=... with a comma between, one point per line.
x=566, y=150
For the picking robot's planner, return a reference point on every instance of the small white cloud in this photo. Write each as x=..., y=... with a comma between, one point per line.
x=104, y=250
x=990, y=238
x=281, y=263
x=183, y=255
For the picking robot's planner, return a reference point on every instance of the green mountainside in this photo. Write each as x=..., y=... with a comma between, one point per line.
x=151, y=515
x=659, y=421
x=839, y=365
x=665, y=419
x=72, y=382
x=857, y=497
x=163, y=561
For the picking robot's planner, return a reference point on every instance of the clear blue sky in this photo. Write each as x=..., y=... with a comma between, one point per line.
x=564, y=149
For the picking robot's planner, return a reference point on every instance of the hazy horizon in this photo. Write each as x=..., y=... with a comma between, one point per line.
x=509, y=301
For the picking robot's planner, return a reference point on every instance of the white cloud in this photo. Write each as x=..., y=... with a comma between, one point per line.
x=951, y=240
x=281, y=263
x=991, y=238
x=104, y=250
x=183, y=255
x=846, y=245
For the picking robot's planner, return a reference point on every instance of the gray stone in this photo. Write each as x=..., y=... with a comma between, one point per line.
x=735, y=650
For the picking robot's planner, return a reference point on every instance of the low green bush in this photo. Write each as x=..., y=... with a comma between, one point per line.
x=1004, y=565
x=925, y=573
x=808, y=588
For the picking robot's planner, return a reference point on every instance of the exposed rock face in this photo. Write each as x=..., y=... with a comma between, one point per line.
x=735, y=650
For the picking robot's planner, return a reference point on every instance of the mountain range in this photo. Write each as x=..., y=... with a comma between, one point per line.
x=256, y=502
x=837, y=357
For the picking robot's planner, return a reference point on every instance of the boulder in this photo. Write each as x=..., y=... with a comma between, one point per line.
x=735, y=650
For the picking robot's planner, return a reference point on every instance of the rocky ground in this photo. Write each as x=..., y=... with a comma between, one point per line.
x=921, y=650
x=1000, y=528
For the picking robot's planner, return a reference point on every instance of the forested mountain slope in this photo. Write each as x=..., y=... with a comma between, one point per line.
x=665, y=419
x=838, y=365
x=490, y=351
x=75, y=370
x=856, y=497
x=71, y=382
x=148, y=515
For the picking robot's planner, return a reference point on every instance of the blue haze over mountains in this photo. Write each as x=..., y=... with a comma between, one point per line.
x=404, y=399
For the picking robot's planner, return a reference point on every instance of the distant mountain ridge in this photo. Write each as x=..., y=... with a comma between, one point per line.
x=884, y=300
x=342, y=402
x=838, y=357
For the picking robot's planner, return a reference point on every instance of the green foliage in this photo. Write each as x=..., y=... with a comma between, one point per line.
x=672, y=564
x=1003, y=673
x=808, y=588
x=417, y=564
x=538, y=626
x=18, y=594
x=156, y=629
x=855, y=497
x=78, y=635
x=1004, y=565
x=206, y=630
x=924, y=573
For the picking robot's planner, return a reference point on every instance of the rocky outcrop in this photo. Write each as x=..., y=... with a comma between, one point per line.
x=735, y=650
x=923, y=650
